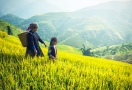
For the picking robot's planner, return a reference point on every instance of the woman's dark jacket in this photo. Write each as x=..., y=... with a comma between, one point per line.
x=32, y=41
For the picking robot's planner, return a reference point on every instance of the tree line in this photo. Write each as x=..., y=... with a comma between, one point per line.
x=108, y=50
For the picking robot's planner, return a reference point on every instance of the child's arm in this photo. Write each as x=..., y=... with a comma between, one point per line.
x=52, y=57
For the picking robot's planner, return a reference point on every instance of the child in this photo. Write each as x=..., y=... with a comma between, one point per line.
x=52, y=51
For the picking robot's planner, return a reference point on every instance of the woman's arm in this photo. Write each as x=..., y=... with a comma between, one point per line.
x=40, y=40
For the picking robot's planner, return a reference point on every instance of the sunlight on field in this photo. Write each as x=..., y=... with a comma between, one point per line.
x=69, y=72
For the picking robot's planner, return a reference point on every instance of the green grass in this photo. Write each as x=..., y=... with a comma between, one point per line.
x=69, y=72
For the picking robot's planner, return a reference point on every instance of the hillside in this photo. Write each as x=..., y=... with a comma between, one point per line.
x=15, y=30
x=70, y=71
x=14, y=19
x=121, y=52
x=94, y=26
x=116, y=52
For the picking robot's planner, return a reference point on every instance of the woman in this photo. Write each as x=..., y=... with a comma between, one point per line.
x=33, y=48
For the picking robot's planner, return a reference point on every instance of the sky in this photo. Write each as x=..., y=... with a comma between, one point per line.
x=73, y=5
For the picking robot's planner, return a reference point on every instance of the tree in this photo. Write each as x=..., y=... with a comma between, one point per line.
x=86, y=51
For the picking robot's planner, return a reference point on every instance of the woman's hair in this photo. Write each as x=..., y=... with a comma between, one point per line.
x=54, y=39
x=31, y=26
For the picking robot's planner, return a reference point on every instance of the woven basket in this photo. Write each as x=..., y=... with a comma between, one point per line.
x=23, y=38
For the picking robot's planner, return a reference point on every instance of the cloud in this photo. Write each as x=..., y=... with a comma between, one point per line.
x=72, y=5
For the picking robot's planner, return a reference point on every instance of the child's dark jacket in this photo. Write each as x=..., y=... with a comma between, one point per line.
x=52, y=51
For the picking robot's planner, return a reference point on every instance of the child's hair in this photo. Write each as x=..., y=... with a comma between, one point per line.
x=31, y=26
x=54, y=39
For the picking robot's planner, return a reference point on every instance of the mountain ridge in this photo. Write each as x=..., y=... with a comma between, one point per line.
x=94, y=28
